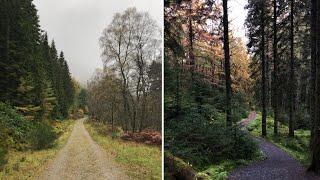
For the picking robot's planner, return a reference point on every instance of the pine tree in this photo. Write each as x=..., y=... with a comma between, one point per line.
x=227, y=62
x=315, y=44
x=275, y=68
x=257, y=17
x=25, y=104
x=292, y=73
x=28, y=64
x=49, y=100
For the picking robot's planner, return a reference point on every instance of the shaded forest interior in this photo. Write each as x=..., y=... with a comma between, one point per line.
x=213, y=80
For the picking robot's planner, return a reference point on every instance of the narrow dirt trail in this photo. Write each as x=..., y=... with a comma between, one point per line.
x=278, y=165
x=82, y=158
x=252, y=116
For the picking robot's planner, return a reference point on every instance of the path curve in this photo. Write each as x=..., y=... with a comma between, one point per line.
x=252, y=116
x=82, y=158
x=278, y=165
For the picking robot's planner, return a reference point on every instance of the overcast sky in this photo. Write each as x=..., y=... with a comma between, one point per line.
x=237, y=17
x=76, y=26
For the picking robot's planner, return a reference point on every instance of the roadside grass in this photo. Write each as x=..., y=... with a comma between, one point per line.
x=139, y=160
x=221, y=170
x=30, y=164
x=297, y=147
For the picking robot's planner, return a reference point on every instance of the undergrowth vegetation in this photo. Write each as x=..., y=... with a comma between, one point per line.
x=298, y=147
x=23, y=134
x=42, y=136
x=196, y=133
x=201, y=141
x=3, y=145
x=29, y=163
x=14, y=127
x=20, y=137
x=139, y=160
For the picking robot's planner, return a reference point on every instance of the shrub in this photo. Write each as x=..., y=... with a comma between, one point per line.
x=201, y=141
x=243, y=146
x=42, y=136
x=195, y=123
x=3, y=153
x=16, y=126
x=3, y=145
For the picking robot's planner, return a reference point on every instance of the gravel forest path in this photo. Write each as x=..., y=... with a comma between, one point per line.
x=82, y=158
x=278, y=165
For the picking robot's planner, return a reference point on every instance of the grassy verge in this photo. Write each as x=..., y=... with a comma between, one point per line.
x=221, y=170
x=217, y=171
x=297, y=147
x=30, y=164
x=140, y=161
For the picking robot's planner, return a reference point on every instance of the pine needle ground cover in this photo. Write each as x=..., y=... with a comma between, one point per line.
x=297, y=147
x=139, y=160
x=29, y=164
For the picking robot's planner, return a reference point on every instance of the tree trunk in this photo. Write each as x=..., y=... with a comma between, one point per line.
x=227, y=62
x=313, y=65
x=125, y=106
x=275, y=68
x=315, y=47
x=191, y=55
x=177, y=88
x=263, y=75
x=112, y=109
x=292, y=79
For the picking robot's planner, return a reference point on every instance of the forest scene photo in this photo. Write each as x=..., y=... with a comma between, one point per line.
x=241, y=89
x=80, y=90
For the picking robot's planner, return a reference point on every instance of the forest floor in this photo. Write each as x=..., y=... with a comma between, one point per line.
x=82, y=158
x=278, y=165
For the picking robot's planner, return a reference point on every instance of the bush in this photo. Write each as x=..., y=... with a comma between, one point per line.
x=16, y=126
x=201, y=141
x=3, y=160
x=3, y=145
x=42, y=136
x=195, y=123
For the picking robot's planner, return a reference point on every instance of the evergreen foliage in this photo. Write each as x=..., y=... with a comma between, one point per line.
x=195, y=91
x=15, y=127
x=283, y=86
x=33, y=78
x=83, y=98
x=42, y=136
x=198, y=134
x=35, y=85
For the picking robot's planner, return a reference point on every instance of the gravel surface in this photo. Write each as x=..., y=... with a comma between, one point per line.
x=252, y=116
x=82, y=158
x=278, y=165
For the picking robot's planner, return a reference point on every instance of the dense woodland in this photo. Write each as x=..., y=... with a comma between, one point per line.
x=36, y=85
x=283, y=38
x=212, y=81
x=195, y=89
x=127, y=92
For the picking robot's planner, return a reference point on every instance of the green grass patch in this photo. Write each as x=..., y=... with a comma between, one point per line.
x=30, y=164
x=297, y=147
x=221, y=170
x=140, y=161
